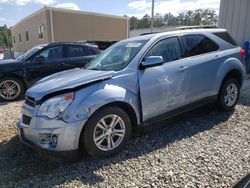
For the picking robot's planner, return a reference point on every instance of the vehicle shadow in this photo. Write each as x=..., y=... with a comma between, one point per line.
x=22, y=164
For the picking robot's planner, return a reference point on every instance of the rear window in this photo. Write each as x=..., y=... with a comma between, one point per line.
x=199, y=44
x=74, y=51
x=226, y=37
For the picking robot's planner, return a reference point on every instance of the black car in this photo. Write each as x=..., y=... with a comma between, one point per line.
x=18, y=75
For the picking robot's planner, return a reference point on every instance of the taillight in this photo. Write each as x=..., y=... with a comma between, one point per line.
x=243, y=54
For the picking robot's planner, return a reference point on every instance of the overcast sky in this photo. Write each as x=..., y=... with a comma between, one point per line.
x=11, y=11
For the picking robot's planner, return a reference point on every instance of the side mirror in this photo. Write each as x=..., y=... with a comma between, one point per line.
x=152, y=61
x=39, y=59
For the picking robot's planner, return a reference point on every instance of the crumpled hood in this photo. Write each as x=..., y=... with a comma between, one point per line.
x=69, y=79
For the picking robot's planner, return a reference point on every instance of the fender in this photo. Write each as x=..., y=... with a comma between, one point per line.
x=96, y=96
x=229, y=65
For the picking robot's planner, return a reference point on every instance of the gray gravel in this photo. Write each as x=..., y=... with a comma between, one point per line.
x=203, y=148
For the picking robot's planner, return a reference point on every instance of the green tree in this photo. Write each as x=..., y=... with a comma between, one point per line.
x=134, y=22
x=170, y=19
x=158, y=20
x=185, y=18
x=5, y=37
x=144, y=22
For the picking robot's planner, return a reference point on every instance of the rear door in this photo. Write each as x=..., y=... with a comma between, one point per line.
x=164, y=87
x=204, y=60
x=76, y=56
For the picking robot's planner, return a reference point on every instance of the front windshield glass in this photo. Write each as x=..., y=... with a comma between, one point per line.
x=117, y=56
x=29, y=53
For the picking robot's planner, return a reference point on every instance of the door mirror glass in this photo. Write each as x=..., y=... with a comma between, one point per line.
x=40, y=59
x=152, y=61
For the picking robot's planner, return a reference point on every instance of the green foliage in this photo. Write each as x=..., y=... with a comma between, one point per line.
x=5, y=37
x=186, y=18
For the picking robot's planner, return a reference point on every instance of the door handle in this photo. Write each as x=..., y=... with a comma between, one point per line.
x=182, y=68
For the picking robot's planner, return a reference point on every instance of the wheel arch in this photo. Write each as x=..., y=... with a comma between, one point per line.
x=233, y=73
x=124, y=106
x=14, y=76
x=230, y=68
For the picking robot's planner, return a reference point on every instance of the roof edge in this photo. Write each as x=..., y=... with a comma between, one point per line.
x=68, y=11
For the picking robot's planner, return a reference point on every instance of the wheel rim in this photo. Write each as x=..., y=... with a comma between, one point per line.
x=231, y=94
x=9, y=89
x=109, y=132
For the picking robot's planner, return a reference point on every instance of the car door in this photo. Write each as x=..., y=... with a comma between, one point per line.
x=164, y=87
x=76, y=56
x=204, y=59
x=46, y=62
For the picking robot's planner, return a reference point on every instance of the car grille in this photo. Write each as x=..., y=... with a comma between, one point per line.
x=26, y=120
x=30, y=101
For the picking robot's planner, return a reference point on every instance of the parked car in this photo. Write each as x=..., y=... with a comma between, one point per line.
x=134, y=83
x=40, y=61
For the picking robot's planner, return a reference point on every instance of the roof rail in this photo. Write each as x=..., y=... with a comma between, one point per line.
x=184, y=28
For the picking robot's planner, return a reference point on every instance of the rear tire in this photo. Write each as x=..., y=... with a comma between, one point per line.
x=107, y=132
x=229, y=94
x=11, y=89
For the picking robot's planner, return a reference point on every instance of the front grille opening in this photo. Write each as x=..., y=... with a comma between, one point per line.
x=26, y=120
x=30, y=101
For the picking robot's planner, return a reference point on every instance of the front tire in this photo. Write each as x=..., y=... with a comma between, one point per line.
x=11, y=89
x=229, y=94
x=107, y=132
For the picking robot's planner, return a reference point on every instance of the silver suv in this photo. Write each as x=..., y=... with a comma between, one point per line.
x=134, y=83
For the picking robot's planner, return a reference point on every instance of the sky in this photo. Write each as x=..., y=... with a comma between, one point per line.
x=11, y=11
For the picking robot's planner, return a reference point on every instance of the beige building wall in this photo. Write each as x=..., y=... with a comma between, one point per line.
x=31, y=24
x=68, y=26
x=76, y=25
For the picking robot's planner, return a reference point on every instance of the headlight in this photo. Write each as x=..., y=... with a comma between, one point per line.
x=53, y=107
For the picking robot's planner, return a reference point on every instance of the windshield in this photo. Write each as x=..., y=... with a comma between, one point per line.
x=29, y=53
x=117, y=56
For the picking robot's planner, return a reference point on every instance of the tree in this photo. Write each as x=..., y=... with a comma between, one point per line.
x=134, y=22
x=185, y=18
x=5, y=37
x=158, y=20
x=145, y=21
x=170, y=19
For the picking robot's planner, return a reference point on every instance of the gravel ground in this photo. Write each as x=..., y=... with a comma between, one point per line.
x=203, y=148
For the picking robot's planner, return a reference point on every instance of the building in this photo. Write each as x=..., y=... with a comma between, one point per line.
x=57, y=25
x=234, y=16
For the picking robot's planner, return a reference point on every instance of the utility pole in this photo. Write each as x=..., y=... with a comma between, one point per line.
x=152, y=15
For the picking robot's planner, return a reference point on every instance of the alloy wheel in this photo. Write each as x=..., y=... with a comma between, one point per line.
x=109, y=132
x=9, y=89
x=231, y=95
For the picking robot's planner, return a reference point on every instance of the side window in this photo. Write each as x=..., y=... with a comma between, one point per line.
x=52, y=53
x=74, y=51
x=199, y=44
x=226, y=37
x=88, y=51
x=168, y=48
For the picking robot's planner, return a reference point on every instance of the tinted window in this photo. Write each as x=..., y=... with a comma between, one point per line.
x=226, y=37
x=52, y=53
x=74, y=51
x=89, y=51
x=168, y=48
x=199, y=44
